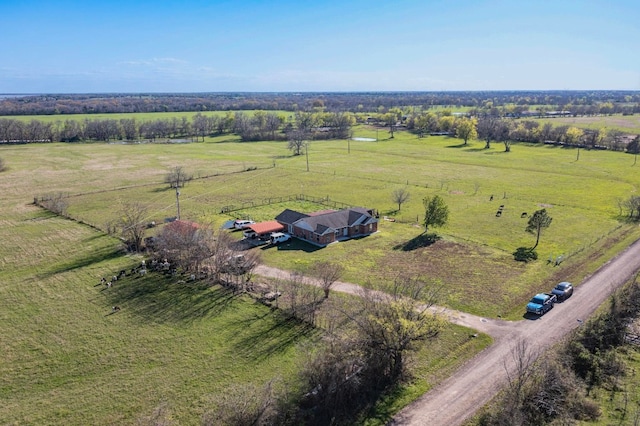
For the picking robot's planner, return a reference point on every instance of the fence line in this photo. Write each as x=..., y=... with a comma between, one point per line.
x=325, y=201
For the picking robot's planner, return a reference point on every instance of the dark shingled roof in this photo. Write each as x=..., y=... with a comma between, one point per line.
x=290, y=216
x=329, y=222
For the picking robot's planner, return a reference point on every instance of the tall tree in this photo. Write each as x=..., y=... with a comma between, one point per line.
x=297, y=140
x=538, y=221
x=394, y=325
x=132, y=223
x=573, y=135
x=436, y=212
x=400, y=196
x=177, y=177
x=327, y=273
x=486, y=129
x=466, y=128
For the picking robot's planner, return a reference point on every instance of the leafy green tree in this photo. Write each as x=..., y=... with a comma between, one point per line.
x=436, y=212
x=539, y=221
x=466, y=128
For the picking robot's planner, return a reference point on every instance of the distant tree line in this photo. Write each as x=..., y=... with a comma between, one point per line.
x=492, y=128
x=582, y=102
x=258, y=126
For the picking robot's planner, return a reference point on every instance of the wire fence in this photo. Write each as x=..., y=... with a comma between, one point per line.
x=324, y=201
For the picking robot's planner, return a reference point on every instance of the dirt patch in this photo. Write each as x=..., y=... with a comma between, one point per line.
x=476, y=273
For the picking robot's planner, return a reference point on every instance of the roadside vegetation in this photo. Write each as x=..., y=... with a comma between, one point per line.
x=587, y=378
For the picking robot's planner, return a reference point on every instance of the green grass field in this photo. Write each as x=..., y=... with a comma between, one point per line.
x=139, y=116
x=67, y=359
x=581, y=196
x=624, y=123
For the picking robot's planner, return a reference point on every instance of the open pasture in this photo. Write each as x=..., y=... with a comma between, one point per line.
x=67, y=358
x=473, y=259
x=138, y=116
x=624, y=123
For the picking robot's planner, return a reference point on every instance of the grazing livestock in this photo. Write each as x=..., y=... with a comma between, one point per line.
x=524, y=214
x=115, y=308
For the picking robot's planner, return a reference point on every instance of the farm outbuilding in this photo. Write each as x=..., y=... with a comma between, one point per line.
x=264, y=229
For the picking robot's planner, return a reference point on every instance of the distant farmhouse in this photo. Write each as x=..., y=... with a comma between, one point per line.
x=328, y=226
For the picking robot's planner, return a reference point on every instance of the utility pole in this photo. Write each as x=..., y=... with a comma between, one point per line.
x=307, y=152
x=178, y=202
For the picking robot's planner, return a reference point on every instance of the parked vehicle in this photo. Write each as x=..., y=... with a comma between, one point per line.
x=279, y=237
x=541, y=303
x=242, y=224
x=249, y=233
x=563, y=291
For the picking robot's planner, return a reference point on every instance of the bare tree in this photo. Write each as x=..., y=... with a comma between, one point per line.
x=486, y=129
x=177, y=177
x=56, y=203
x=185, y=244
x=400, y=196
x=333, y=375
x=238, y=269
x=244, y=405
x=132, y=223
x=297, y=140
x=300, y=298
x=327, y=273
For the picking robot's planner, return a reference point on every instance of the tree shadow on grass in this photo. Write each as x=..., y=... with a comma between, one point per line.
x=260, y=343
x=157, y=298
x=460, y=145
x=422, y=240
x=86, y=258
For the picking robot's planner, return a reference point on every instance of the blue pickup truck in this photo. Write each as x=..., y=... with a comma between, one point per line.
x=541, y=303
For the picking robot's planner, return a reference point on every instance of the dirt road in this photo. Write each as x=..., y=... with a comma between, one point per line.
x=480, y=379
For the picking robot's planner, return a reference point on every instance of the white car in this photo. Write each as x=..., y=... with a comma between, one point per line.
x=249, y=233
x=242, y=224
x=279, y=237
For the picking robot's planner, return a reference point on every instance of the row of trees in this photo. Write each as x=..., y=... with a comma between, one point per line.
x=491, y=128
x=366, y=344
x=259, y=126
x=508, y=101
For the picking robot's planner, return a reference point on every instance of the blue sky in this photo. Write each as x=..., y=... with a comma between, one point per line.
x=212, y=46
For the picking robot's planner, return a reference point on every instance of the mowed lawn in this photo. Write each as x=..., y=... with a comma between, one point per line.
x=67, y=359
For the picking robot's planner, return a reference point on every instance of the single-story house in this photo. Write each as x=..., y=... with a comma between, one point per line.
x=326, y=227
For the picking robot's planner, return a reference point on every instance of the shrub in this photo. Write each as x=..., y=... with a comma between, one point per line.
x=525, y=254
